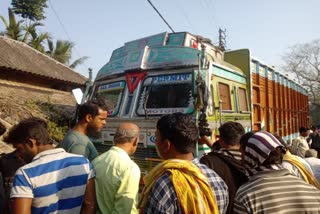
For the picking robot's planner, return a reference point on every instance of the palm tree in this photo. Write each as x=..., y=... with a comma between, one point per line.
x=36, y=40
x=27, y=34
x=62, y=52
x=14, y=29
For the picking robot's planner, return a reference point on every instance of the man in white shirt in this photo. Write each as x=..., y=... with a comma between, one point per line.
x=300, y=144
x=311, y=158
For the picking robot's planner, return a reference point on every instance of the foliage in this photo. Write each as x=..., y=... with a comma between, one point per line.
x=30, y=9
x=14, y=29
x=78, y=62
x=56, y=132
x=29, y=34
x=62, y=52
x=303, y=61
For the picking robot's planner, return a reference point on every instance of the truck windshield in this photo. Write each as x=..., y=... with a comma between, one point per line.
x=113, y=93
x=167, y=94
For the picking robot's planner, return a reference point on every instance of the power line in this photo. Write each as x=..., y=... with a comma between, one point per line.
x=161, y=16
x=65, y=31
x=185, y=15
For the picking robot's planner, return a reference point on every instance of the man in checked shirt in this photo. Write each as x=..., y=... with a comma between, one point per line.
x=180, y=184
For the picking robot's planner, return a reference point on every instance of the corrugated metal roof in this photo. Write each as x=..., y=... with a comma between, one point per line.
x=20, y=56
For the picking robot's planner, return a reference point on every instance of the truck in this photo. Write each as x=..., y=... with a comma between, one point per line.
x=181, y=72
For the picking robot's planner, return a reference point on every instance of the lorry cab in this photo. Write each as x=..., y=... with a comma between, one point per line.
x=168, y=73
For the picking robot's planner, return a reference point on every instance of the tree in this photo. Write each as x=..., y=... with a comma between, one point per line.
x=37, y=40
x=14, y=29
x=62, y=52
x=30, y=9
x=303, y=61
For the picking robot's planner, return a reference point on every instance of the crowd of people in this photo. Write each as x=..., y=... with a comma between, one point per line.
x=254, y=172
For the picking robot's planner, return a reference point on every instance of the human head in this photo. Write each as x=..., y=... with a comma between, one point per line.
x=262, y=148
x=279, y=138
x=230, y=134
x=303, y=131
x=313, y=128
x=311, y=153
x=27, y=137
x=177, y=131
x=127, y=135
x=94, y=114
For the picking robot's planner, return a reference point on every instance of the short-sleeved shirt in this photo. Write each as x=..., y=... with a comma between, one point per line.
x=55, y=180
x=276, y=191
x=299, y=146
x=77, y=143
x=117, y=182
x=163, y=198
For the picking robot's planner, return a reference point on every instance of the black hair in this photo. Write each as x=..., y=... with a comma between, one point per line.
x=231, y=132
x=303, y=129
x=245, y=138
x=28, y=128
x=92, y=107
x=275, y=157
x=180, y=130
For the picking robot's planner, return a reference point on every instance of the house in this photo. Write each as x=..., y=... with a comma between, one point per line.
x=33, y=84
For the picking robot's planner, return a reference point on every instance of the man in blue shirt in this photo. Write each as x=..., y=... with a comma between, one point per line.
x=53, y=180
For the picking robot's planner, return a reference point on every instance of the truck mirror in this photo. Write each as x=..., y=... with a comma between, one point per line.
x=77, y=93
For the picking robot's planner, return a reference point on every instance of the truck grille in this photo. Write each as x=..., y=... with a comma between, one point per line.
x=146, y=158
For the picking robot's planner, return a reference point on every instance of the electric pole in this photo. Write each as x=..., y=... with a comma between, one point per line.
x=222, y=39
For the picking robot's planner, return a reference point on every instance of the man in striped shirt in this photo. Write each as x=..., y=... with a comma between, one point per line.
x=271, y=188
x=54, y=181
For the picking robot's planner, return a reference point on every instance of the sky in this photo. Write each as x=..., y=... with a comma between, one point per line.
x=97, y=27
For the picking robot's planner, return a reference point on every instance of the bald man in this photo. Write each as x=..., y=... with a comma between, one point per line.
x=117, y=176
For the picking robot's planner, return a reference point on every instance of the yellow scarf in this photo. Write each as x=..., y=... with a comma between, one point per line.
x=307, y=176
x=191, y=186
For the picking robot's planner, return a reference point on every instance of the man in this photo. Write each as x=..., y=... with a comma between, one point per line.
x=272, y=189
x=92, y=117
x=53, y=180
x=296, y=165
x=9, y=163
x=117, y=176
x=311, y=158
x=181, y=184
x=300, y=144
x=314, y=138
x=226, y=161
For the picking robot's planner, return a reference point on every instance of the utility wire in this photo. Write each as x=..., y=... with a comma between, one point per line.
x=178, y=3
x=65, y=31
x=161, y=16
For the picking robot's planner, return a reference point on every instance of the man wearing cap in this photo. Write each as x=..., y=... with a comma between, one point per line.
x=272, y=189
x=117, y=176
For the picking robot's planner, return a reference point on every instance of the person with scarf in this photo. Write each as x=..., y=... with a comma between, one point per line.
x=297, y=166
x=180, y=184
x=226, y=161
x=271, y=188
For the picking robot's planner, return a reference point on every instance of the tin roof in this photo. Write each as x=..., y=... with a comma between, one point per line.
x=23, y=58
